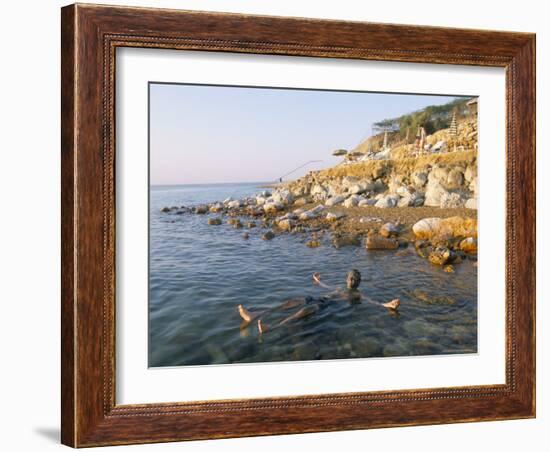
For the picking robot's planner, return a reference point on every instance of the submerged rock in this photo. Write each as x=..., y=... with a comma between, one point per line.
x=201, y=210
x=268, y=235
x=379, y=242
x=441, y=256
x=215, y=221
x=165, y=209
x=313, y=243
x=468, y=245
x=341, y=240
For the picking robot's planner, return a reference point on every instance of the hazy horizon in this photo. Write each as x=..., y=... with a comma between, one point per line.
x=202, y=134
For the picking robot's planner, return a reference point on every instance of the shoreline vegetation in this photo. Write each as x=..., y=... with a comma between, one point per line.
x=392, y=192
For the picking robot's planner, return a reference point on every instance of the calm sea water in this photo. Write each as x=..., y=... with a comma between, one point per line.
x=199, y=273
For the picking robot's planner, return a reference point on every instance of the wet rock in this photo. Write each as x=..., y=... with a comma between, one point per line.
x=285, y=224
x=469, y=245
x=246, y=236
x=268, y=235
x=165, y=209
x=389, y=230
x=334, y=200
x=214, y=221
x=234, y=204
x=314, y=243
x=441, y=256
x=237, y=224
x=341, y=240
x=449, y=269
x=251, y=224
x=379, y=242
x=201, y=210
x=217, y=207
x=233, y=221
x=272, y=207
x=334, y=216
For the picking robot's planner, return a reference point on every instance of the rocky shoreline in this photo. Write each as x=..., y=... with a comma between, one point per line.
x=421, y=197
x=443, y=236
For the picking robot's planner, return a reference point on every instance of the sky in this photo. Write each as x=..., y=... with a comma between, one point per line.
x=201, y=134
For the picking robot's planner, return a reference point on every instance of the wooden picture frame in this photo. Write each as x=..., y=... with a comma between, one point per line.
x=90, y=36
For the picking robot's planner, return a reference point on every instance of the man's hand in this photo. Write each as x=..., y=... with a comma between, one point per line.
x=317, y=278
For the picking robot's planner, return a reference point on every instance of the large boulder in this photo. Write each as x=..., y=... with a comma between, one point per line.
x=429, y=228
x=434, y=192
x=318, y=190
x=378, y=242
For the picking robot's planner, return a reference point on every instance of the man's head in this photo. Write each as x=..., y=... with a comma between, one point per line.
x=353, y=279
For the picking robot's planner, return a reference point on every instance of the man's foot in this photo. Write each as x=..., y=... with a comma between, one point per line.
x=246, y=316
x=393, y=305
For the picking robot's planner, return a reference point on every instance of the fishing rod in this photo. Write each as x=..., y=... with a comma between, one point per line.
x=296, y=169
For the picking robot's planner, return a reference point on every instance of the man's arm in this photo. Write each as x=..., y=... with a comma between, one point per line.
x=317, y=280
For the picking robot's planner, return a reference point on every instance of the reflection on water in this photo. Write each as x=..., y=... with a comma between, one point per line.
x=199, y=274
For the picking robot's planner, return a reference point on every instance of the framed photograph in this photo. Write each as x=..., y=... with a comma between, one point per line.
x=282, y=225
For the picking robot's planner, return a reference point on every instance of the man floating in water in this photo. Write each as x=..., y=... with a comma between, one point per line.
x=310, y=305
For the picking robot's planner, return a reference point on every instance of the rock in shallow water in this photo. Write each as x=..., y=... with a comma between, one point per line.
x=268, y=235
x=378, y=242
x=214, y=221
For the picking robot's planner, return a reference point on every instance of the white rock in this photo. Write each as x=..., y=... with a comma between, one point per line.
x=386, y=201
x=352, y=201
x=451, y=201
x=334, y=201
x=234, y=204
x=227, y=200
x=318, y=190
x=357, y=189
x=283, y=197
x=419, y=179
x=260, y=200
x=427, y=227
x=471, y=203
x=370, y=220
x=434, y=192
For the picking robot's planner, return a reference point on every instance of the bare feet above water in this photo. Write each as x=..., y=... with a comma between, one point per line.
x=393, y=304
